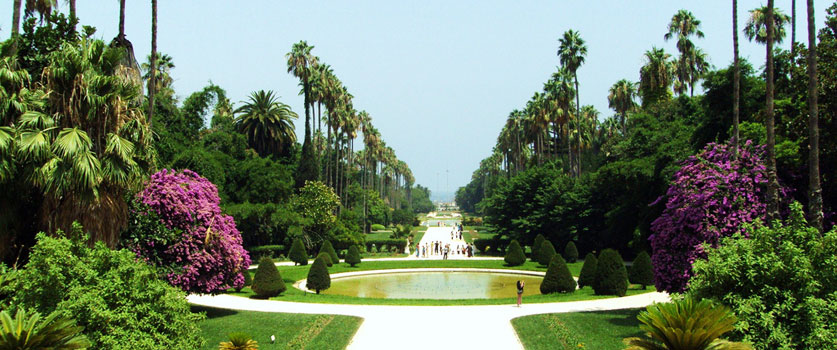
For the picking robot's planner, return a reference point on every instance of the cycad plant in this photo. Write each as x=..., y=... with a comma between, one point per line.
x=33, y=332
x=685, y=324
x=239, y=341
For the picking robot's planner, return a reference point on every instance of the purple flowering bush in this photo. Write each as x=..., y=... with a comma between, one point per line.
x=711, y=196
x=202, y=251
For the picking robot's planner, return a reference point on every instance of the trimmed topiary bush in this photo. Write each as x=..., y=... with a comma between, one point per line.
x=326, y=259
x=267, y=282
x=318, y=277
x=588, y=271
x=642, y=272
x=570, y=252
x=611, y=275
x=298, y=254
x=514, y=254
x=353, y=256
x=546, y=252
x=328, y=248
x=558, y=278
x=248, y=280
x=377, y=227
x=536, y=246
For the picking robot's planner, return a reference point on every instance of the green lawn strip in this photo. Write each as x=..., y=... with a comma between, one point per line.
x=600, y=330
x=337, y=332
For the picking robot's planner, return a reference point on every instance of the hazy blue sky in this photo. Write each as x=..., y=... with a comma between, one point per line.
x=438, y=78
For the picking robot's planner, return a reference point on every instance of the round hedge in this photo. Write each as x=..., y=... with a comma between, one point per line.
x=298, y=254
x=558, y=278
x=353, y=256
x=536, y=246
x=267, y=282
x=514, y=254
x=571, y=252
x=642, y=272
x=327, y=247
x=546, y=252
x=318, y=277
x=611, y=275
x=588, y=271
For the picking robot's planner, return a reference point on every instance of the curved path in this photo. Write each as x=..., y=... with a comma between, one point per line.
x=434, y=327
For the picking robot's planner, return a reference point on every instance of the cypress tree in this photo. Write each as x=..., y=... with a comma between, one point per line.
x=570, y=252
x=642, y=272
x=329, y=249
x=558, y=278
x=318, y=277
x=546, y=252
x=536, y=246
x=514, y=254
x=611, y=275
x=326, y=258
x=267, y=282
x=588, y=271
x=353, y=256
x=298, y=254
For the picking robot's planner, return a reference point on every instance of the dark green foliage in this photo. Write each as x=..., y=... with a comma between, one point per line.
x=403, y=217
x=248, y=280
x=326, y=258
x=329, y=249
x=642, y=272
x=353, y=256
x=536, y=246
x=309, y=164
x=514, y=254
x=611, y=275
x=421, y=200
x=33, y=331
x=298, y=254
x=571, y=252
x=271, y=251
x=378, y=227
x=545, y=253
x=385, y=245
x=558, y=278
x=318, y=277
x=267, y=282
x=588, y=271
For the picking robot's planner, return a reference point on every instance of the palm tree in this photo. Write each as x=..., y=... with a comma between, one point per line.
x=239, y=341
x=655, y=77
x=815, y=215
x=685, y=325
x=621, y=98
x=684, y=24
x=756, y=26
x=152, y=89
x=16, y=18
x=300, y=64
x=561, y=93
x=163, y=79
x=42, y=7
x=267, y=123
x=736, y=90
x=34, y=332
x=571, y=53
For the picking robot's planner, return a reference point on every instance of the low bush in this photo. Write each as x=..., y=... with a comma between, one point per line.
x=318, y=277
x=353, y=257
x=611, y=275
x=588, y=271
x=558, y=278
x=386, y=245
x=570, y=252
x=298, y=254
x=267, y=282
x=642, y=272
x=272, y=251
x=545, y=253
x=378, y=227
x=515, y=255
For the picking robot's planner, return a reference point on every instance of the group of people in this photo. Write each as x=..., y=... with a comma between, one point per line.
x=437, y=248
x=456, y=233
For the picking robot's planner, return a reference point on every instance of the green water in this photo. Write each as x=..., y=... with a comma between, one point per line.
x=435, y=285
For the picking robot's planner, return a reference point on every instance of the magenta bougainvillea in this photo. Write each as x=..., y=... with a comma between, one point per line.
x=206, y=256
x=709, y=198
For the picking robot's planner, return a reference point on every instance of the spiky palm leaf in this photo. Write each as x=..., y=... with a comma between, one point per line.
x=34, y=332
x=239, y=341
x=267, y=123
x=756, y=26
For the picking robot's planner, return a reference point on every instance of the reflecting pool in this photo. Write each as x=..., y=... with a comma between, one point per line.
x=435, y=285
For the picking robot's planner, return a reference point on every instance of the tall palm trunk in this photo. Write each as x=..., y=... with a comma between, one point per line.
x=736, y=86
x=772, y=181
x=325, y=152
x=815, y=216
x=152, y=88
x=121, y=20
x=73, y=15
x=16, y=17
x=578, y=123
x=793, y=33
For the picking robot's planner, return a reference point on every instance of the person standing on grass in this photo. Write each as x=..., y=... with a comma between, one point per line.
x=520, y=285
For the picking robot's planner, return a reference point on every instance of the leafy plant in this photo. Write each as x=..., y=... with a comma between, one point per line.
x=515, y=255
x=588, y=271
x=325, y=258
x=536, y=246
x=239, y=341
x=641, y=271
x=298, y=254
x=267, y=282
x=571, y=252
x=400, y=231
x=546, y=252
x=329, y=249
x=611, y=276
x=558, y=278
x=318, y=278
x=32, y=332
x=353, y=256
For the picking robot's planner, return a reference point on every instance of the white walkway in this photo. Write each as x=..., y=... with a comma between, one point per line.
x=441, y=236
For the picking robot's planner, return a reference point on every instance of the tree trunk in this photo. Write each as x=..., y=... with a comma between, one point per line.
x=73, y=15
x=152, y=88
x=772, y=181
x=736, y=86
x=793, y=33
x=815, y=216
x=578, y=124
x=16, y=18
x=121, y=20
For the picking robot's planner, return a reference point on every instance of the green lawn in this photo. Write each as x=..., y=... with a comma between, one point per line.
x=291, y=274
x=292, y=331
x=599, y=330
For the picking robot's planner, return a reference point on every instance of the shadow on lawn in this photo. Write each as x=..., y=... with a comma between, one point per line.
x=212, y=312
x=623, y=318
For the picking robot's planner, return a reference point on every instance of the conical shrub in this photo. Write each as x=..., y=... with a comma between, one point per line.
x=326, y=258
x=642, y=272
x=546, y=252
x=318, y=277
x=328, y=248
x=588, y=271
x=248, y=280
x=353, y=256
x=611, y=275
x=514, y=254
x=267, y=282
x=298, y=254
x=536, y=247
x=570, y=252
x=558, y=278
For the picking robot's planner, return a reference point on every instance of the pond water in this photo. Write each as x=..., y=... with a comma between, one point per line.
x=435, y=285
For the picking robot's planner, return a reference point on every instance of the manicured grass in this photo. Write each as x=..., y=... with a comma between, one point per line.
x=600, y=330
x=292, y=331
x=291, y=274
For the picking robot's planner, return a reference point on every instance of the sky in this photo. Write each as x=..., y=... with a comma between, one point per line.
x=439, y=78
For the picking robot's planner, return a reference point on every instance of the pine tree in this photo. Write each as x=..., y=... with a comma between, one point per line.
x=514, y=254
x=558, y=278
x=326, y=258
x=536, y=246
x=353, y=256
x=611, y=275
x=642, y=272
x=329, y=249
x=267, y=282
x=546, y=252
x=570, y=252
x=318, y=277
x=298, y=254
x=588, y=271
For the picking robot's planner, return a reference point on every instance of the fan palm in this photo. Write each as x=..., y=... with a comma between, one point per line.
x=621, y=98
x=239, y=341
x=685, y=324
x=655, y=76
x=34, y=332
x=691, y=64
x=163, y=77
x=756, y=26
x=267, y=123
x=571, y=53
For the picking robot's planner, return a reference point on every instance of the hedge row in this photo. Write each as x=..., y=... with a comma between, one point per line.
x=388, y=243
x=493, y=245
x=271, y=250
